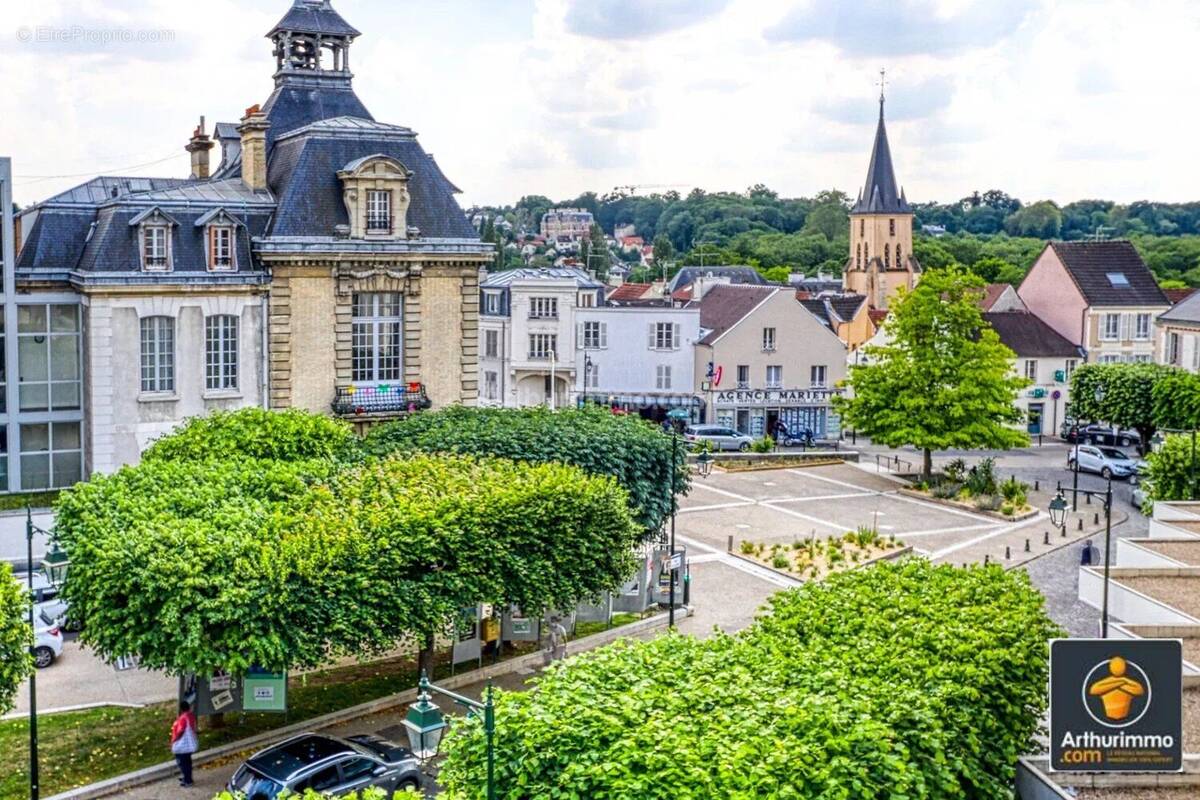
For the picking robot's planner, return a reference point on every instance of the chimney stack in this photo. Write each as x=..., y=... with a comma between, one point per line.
x=254, y=148
x=199, y=146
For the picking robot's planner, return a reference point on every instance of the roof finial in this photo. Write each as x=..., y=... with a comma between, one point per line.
x=882, y=84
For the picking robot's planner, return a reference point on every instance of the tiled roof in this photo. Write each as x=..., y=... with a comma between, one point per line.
x=877, y=315
x=303, y=175
x=1177, y=296
x=724, y=306
x=1186, y=310
x=832, y=310
x=880, y=194
x=629, y=291
x=314, y=16
x=992, y=293
x=1096, y=267
x=740, y=275
x=1028, y=336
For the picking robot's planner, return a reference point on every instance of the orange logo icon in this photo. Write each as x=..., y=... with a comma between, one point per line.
x=1117, y=691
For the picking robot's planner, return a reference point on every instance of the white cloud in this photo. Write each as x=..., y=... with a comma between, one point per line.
x=637, y=19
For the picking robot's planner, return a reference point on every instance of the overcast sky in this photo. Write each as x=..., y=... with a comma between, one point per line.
x=1044, y=99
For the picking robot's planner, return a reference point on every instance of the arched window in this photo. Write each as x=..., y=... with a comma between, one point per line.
x=887, y=259
x=858, y=256
x=891, y=227
x=862, y=227
x=866, y=253
x=899, y=260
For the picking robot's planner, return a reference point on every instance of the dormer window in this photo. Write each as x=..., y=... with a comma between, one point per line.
x=155, y=255
x=375, y=191
x=379, y=211
x=220, y=248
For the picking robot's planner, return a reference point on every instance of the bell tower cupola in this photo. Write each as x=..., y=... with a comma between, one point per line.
x=312, y=45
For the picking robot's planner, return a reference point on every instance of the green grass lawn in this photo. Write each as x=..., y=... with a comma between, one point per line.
x=80, y=747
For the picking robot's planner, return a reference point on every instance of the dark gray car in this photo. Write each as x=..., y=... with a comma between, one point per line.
x=327, y=764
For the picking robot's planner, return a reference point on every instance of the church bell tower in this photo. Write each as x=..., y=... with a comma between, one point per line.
x=881, y=259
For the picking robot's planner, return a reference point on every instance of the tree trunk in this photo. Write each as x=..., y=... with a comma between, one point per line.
x=425, y=657
x=927, y=464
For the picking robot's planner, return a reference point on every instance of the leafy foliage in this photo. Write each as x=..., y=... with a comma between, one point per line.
x=371, y=793
x=945, y=379
x=15, y=637
x=1129, y=396
x=832, y=693
x=1171, y=470
x=285, y=564
x=629, y=449
x=1176, y=397
x=292, y=435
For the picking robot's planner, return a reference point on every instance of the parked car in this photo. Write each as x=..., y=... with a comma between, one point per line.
x=47, y=645
x=1095, y=433
x=54, y=612
x=43, y=589
x=1108, y=461
x=1141, y=490
x=719, y=436
x=331, y=765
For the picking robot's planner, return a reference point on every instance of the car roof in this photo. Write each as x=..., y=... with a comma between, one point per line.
x=287, y=758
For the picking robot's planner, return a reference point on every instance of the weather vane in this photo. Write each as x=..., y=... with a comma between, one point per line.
x=882, y=82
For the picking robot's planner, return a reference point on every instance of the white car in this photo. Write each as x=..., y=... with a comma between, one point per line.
x=718, y=436
x=47, y=646
x=1108, y=461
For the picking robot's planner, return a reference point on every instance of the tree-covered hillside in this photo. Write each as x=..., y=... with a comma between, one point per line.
x=995, y=235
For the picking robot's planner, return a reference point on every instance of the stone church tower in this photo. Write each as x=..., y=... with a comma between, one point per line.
x=881, y=259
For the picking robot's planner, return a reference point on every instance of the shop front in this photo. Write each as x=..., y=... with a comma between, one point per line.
x=757, y=411
x=652, y=406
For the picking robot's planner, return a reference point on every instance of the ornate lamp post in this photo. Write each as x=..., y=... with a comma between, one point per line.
x=704, y=464
x=1058, y=516
x=426, y=725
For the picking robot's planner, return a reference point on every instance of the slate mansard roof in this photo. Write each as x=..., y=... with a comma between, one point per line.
x=303, y=176
x=1093, y=266
x=316, y=17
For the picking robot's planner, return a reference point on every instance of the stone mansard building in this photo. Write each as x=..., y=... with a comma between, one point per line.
x=881, y=255
x=323, y=263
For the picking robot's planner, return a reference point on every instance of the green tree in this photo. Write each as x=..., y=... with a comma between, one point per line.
x=872, y=684
x=15, y=637
x=664, y=251
x=1176, y=398
x=991, y=268
x=828, y=219
x=944, y=379
x=1127, y=399
x=594, y=253
x=1042, y=219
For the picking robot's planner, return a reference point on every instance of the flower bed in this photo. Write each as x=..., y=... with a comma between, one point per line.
x=814, y=559
x=976, y=489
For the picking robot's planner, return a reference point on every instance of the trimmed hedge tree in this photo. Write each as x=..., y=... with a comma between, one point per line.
x=903, y=680
x=628, y=448
x=15, y=637
x=198, y=564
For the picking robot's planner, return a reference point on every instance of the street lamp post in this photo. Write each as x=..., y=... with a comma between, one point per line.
x=426, y=725
x=671, y=557
x=55, y=566
x=1058, y=516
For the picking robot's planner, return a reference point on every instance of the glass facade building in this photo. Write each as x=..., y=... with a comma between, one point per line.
x=41, y=375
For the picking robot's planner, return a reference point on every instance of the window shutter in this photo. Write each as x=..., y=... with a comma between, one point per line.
x=579, y=329
x=675, y=336
x=604, y=335
x=651, y=336
x=1125, y=319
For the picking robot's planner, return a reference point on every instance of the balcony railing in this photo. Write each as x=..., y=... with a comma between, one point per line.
x=542, y=355
x=378, y=223
x=383, y=398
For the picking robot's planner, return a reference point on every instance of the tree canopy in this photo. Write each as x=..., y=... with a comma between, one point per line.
x=282, y=554
x=943, y=380
x=904, y=679
x=1128, y=396
x=15, y=637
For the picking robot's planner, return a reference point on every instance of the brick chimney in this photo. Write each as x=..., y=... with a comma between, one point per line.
x=254, y=148
x=199, y=146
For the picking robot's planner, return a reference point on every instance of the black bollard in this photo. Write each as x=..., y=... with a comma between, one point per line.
x=1026, y=545
x=730, y=543
x=1088, y=498
x=1079, y=527
x=1096, y=518
x=1007, y=552
x=1046, y=540
x=1037, y=485
x=986, y=559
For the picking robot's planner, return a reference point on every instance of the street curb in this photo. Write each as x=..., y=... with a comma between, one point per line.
x=1076, y=539
x=141, y=777
x=80, y=707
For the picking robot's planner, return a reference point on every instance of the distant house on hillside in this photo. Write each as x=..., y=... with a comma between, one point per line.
x=734, y=275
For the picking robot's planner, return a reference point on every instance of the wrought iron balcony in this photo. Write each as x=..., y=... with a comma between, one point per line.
x=379, y=223
x=380, y=399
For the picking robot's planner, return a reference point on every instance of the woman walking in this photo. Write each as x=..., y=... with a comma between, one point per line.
x=184, y=742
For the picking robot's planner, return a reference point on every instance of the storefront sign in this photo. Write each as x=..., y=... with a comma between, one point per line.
x=774, y=397
x=1116, y=705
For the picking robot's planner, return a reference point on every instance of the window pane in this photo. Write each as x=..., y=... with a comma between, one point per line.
x=64, y=396
x=64, y=357
x=35, y=472
x=66, y=435
x=31, y=319
x=35, y=438
x=64, y=318
x=34, y=397
x=68, y=468
x=31, y=358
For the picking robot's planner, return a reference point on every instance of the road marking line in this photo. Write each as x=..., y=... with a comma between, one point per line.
x=939, y=507
x=835, y=481
x=945, y=551
x=957, y=529
x=807, y=517
x=735, y=496
x=762, y=573
x=713, y=507
x=818, y=497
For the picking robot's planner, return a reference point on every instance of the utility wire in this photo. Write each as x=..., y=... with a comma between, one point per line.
x=36, y=178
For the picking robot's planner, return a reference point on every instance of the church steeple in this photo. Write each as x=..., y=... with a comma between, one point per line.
x=880, y=194
x=312, y=45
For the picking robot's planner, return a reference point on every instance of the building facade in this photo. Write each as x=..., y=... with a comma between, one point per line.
x=764, y=358
x=881, y=259
x=570, y=223
x=322, y=264
x=528, y=335
x=639, y=358
x=1178, y=333
x=1046, y=359
x=1099, y=296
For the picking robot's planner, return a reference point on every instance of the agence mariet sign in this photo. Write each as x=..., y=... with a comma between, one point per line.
x=774, y=397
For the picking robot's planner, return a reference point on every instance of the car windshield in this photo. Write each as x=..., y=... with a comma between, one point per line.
x=255, y=786
x=1113, y=453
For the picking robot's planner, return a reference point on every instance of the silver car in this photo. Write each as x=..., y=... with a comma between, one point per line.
x=329, y=765
x=1108, y=461
x=719, y=436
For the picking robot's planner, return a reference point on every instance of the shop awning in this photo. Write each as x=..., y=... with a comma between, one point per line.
x=649, y=400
